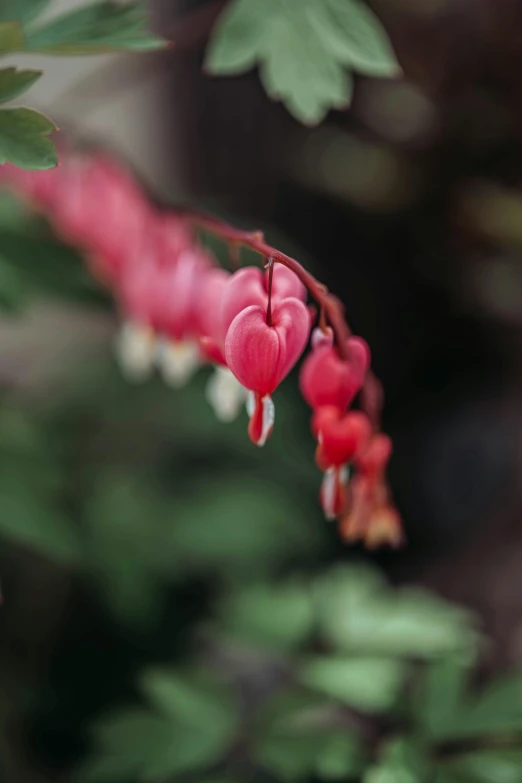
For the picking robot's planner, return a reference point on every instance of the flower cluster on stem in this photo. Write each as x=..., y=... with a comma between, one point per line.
x=180, y=309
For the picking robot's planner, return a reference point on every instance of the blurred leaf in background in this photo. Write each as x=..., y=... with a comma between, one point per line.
x=303, y=50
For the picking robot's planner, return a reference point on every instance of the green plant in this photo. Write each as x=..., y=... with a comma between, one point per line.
x=104, y=26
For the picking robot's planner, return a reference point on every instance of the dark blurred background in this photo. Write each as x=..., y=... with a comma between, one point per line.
x=409, y=207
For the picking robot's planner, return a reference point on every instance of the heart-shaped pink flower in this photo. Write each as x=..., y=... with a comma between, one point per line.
x=249, y=286
x=326, y=379
x=259, y=355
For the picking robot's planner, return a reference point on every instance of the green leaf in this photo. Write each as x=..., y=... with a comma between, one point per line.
x=298, y=70
x=407, y=623
x=367, y=684
x=400, y=761
x=300, y=736
x=31, y=520
x=440, y=694
x=484, y=766
x=127, y=741
x=192, y=698
x=238, y=37
x=14, y=82
x=238, y=530
x=24, y=139
x=12, y=289
x=124, y=522
x=350, y=29
x=11, y=37
x=496, y=711
x=101, y=27
x=22, y=10
x=273, y=616
x=302, y=50
x=193, y=725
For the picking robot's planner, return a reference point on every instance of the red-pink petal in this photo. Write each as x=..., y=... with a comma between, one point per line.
x=244, y=288
x=260, y=356
x=326, y=379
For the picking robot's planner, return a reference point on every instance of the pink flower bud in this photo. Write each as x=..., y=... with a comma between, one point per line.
x=326, y=379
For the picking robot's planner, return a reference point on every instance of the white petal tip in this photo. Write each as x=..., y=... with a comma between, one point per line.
x=177, y=361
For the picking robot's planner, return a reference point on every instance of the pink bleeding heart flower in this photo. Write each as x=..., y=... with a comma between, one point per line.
x=210, y=297
x=102, y=210
x=261, y=355
x=326, y=379
x=224, y=392
x=161, y=300
x=249, y=286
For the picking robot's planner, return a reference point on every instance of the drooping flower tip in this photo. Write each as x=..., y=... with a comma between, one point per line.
x=261, y=410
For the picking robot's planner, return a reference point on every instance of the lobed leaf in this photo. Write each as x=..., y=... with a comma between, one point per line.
x=24, y=139
x=302, y=49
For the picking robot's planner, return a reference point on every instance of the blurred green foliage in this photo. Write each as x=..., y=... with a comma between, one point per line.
x=208, y=633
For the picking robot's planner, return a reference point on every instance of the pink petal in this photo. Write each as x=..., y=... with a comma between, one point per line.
x=285, y=284
x=260, y=356
x=244, y=288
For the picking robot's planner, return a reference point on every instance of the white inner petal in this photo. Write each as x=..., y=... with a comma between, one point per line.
x=135, y=349
x=177, y=361
x=225, y=394
x=250, y=403
x=329, y=492
x=268, y=418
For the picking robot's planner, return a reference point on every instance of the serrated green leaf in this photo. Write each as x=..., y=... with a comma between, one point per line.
x=100, y=27
x=14, y=82
x=350, y=30
x=302, y=50
x=238, y=37
x=24, y=139
x=23, y=11
x=11, y=37
x=297, y=69
x=277, y=617
x=367, y=684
